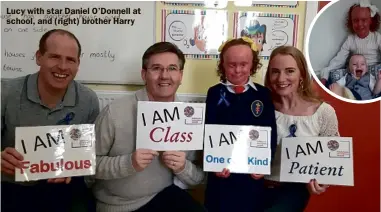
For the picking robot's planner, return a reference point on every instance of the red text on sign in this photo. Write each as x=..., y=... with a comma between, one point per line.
x=61, y=165
x=157, y=134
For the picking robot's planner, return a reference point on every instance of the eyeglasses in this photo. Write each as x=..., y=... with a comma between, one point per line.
x=161, y=69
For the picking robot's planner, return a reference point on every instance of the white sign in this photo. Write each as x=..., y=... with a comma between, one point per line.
x=329, y=160
x=56, y=151
x=163, y=126
x=241, y=149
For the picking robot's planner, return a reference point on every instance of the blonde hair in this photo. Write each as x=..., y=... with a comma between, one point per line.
x=305, y=90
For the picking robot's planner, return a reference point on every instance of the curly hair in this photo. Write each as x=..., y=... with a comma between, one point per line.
x=374, y=26
x=256, y=64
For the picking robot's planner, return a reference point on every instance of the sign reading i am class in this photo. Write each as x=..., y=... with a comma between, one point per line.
x=56, y=151
x=241, y=149
x=163, y=126
x=329, y=160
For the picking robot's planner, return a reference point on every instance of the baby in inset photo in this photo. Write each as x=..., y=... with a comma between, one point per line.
x=358, y=83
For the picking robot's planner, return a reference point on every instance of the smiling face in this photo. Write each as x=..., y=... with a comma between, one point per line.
x=357, y=66
x=361, y=21
x=284, y=75
x=237, y=64
x=59, y=63
x=162, y=76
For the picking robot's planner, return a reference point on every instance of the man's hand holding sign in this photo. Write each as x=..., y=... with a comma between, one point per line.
x=175, y=160
x=12, y=159
x=141, y=158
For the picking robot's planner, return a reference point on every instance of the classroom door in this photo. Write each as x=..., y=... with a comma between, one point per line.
x=362, y=123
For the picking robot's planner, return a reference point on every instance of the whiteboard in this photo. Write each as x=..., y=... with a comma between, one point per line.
x=111, y=52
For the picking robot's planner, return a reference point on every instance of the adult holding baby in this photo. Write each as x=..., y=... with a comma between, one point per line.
x=48, y=97
x=130, y=179
x=362, y=22
x=236, y=100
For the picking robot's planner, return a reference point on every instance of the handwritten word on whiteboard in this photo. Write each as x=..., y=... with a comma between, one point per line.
x=113, y=35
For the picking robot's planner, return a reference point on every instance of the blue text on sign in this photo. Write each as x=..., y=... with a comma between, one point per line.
x=253, y=161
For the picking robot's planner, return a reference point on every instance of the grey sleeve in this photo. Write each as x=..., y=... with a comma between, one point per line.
x=192, y=174
x=109, y=167
x=94, y=109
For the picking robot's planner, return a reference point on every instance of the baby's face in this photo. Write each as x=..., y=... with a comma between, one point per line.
x=358, y=66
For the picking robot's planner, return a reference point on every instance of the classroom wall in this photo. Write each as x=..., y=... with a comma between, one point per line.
x=329, y=33
x=362, y=123
x=199, y=75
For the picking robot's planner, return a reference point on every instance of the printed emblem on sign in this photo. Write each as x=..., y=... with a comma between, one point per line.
x=257, y=108
x=80, y=140
x=75, y=134
x=193, y=115
x=188, y=111
x=333, y=145
x=254, y=135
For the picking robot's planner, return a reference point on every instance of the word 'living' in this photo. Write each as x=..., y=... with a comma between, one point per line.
x=161, y=134
x=312, y=169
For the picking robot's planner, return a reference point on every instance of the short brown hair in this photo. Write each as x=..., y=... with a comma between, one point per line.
x=42, y=45
x=235, y=42
x=374, y=26
x=162, y=47
x=306, y=90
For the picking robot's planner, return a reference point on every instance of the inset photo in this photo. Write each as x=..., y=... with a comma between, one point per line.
x=344, y=50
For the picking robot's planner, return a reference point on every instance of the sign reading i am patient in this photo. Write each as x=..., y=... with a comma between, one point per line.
x=329, y=160
x=241, y=149
x=163, y=126
x=56, y=151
